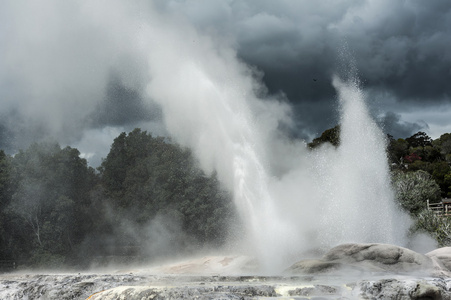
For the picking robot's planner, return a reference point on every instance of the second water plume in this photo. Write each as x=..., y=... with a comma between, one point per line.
x=334, y=195
x=359, y=201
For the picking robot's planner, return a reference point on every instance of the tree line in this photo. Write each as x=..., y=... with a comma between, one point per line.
x=147, y=199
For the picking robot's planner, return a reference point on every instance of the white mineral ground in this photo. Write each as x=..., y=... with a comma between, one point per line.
x=350, y=271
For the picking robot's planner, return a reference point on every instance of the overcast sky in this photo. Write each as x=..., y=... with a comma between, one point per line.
x=73, y=71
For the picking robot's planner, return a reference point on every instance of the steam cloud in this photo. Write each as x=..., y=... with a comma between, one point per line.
x=58, y=61
x=212, y=103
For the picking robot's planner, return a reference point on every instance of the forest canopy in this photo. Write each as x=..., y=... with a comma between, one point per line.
x=146, y=200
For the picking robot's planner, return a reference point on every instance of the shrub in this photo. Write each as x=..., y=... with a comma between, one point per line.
x=437, y=226
x=413, y=189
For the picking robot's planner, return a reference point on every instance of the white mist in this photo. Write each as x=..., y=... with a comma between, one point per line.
x=212, y=103
x=209, y=103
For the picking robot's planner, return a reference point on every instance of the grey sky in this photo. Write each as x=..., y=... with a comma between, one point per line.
x=72, y=70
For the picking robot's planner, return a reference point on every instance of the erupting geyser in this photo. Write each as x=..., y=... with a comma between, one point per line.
x=359, y=204
x=212, y=103
x=322, y=223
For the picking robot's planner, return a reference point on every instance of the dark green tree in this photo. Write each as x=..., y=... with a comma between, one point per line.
x=444, y=145
x=145, y=177
x=6, y=249
x=331, y=135
x=50, y=199
x=447, y=181
x=419, y=139
x=439, y=172
x=397, y=150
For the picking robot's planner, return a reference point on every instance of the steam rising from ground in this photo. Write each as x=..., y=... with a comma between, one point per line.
x=213, y=103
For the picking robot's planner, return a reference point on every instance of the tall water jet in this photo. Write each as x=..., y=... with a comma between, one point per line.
x=209, y=103
x=360, y=201
x=225, y=127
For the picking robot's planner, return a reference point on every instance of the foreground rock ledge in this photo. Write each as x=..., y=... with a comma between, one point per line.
x=289, y=288
x=351, y=271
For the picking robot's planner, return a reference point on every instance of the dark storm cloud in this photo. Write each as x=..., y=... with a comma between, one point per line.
x=392, y=124
x=56, y=59
x=400, y=47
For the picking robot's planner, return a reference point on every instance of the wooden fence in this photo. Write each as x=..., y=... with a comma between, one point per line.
x=440, y=208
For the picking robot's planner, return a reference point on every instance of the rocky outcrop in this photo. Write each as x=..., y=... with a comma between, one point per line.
x=406, y=289
x=368, y=258
x=350, y=271
x=442, y=255
x=146, y=287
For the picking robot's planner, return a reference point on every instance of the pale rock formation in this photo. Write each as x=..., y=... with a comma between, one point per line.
x=443, y=255
x=350, y=271
x=369, y=258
